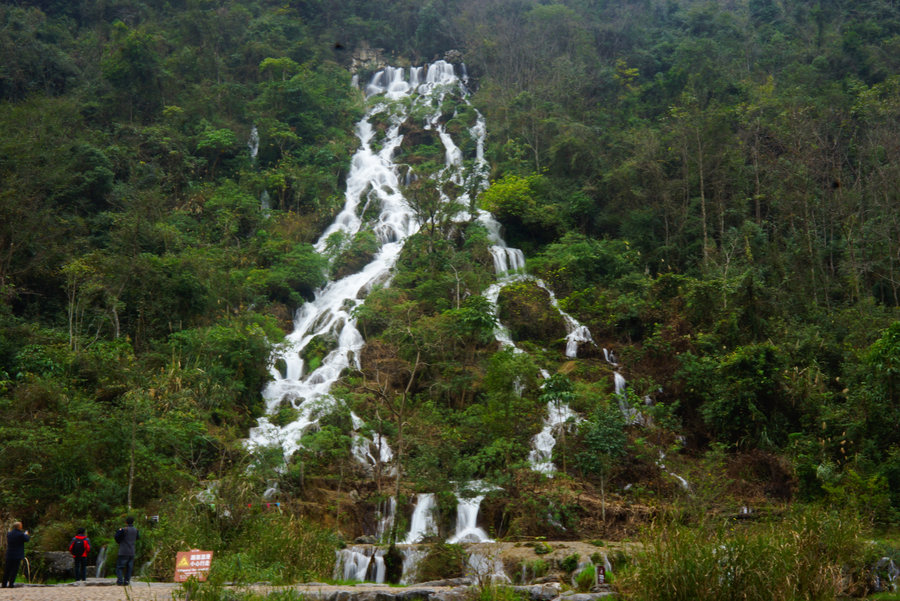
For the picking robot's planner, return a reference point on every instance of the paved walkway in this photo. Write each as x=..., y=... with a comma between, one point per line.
x=138, y=591
x=106, y=590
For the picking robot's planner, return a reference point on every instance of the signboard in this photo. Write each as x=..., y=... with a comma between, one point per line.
x=192, y=564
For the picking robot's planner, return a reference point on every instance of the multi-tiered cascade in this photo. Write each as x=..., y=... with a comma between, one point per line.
x=376, y=181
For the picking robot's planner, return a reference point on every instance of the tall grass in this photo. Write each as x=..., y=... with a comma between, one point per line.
x=811, y=555
x=280, y=549
x=274, y=547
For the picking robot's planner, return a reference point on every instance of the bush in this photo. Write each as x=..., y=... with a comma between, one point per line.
x=584, y=580
x=570, y=563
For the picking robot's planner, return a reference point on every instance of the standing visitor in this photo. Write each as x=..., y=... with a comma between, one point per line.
x=15, y=553
x=79, y=548
x=126, y=537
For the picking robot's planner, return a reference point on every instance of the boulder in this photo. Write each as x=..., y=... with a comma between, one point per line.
x=58, y=565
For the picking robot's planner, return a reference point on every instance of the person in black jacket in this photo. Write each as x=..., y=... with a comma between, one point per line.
x=79, y=548
x=126, y=537
x=15, y=553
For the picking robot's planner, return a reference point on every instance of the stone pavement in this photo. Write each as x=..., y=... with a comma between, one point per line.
x=98, y=590
x=106, y=590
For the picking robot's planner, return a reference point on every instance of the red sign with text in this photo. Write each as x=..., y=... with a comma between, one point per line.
x=192, y=564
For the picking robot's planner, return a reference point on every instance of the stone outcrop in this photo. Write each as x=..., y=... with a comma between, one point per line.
x=58, y=565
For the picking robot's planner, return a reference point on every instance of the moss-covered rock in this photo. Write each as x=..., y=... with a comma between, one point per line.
x=525, y=309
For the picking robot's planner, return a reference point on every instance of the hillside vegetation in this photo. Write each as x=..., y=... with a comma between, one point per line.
x=710, y=187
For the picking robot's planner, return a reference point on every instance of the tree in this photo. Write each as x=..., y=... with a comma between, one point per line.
x=603, y=439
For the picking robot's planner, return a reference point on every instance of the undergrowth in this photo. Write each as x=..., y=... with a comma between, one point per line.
x=812, y=554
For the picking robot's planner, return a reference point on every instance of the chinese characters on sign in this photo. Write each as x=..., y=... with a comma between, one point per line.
x=192, y=564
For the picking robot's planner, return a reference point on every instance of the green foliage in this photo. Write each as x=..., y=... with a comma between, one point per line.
x=526, y=309
x=570, y=562
x=577, y=262
x=541, y=548
x=357, y=254
x=748, y=403
x=603, y=441
x=811, y=555
x=250, y=544
x=522, y=204
x=584, y=580
x=716, y=182
x=442, y=561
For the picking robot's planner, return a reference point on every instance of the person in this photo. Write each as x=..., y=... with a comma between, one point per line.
x=79, y=548
x=15, y=553
x=126, y=537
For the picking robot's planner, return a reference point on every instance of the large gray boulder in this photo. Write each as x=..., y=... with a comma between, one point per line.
x=58, y=565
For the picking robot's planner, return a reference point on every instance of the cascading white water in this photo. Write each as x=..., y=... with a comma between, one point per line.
x=467, y=530
x=253, y=142
x=387, y=510
x=619, y=382
x=486, y=569
x=412, y=557
x=362, y=563
x=101, y=563
x=373, y=180
x=422, y=521
x=684, y=483
x=541, y=455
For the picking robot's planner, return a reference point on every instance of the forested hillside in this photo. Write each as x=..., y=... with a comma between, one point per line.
x=710, y=187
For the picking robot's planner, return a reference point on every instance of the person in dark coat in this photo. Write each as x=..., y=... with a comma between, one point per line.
x=126, y=537
x=79, y=548
x=15, y=553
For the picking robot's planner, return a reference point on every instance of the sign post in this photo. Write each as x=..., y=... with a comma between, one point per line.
x=192, y=564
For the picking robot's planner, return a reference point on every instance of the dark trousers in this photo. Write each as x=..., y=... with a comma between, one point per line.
x=80, y=568
x=124, y=566
x=9, y=572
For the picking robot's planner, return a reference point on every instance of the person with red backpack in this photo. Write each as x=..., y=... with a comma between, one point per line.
x=79, y=548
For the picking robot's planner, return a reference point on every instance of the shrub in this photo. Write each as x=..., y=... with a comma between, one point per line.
x=570, y=563
x=542, y=548
x=584, y=580
x=535, y=568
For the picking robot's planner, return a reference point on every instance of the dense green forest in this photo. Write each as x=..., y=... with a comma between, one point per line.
x=711, y=187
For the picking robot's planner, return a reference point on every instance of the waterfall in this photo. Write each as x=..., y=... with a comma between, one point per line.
x=467, y=530
x=373, y=178
x=684, y=483
x=412, y=557
x=422, y=521
x=253, y=143
x=375, y=183
x=631, y=414
x=485, y=569
x=541, y=455
x=369, y=451
x=387, y=510
x=361, y=563
x=101, y=563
